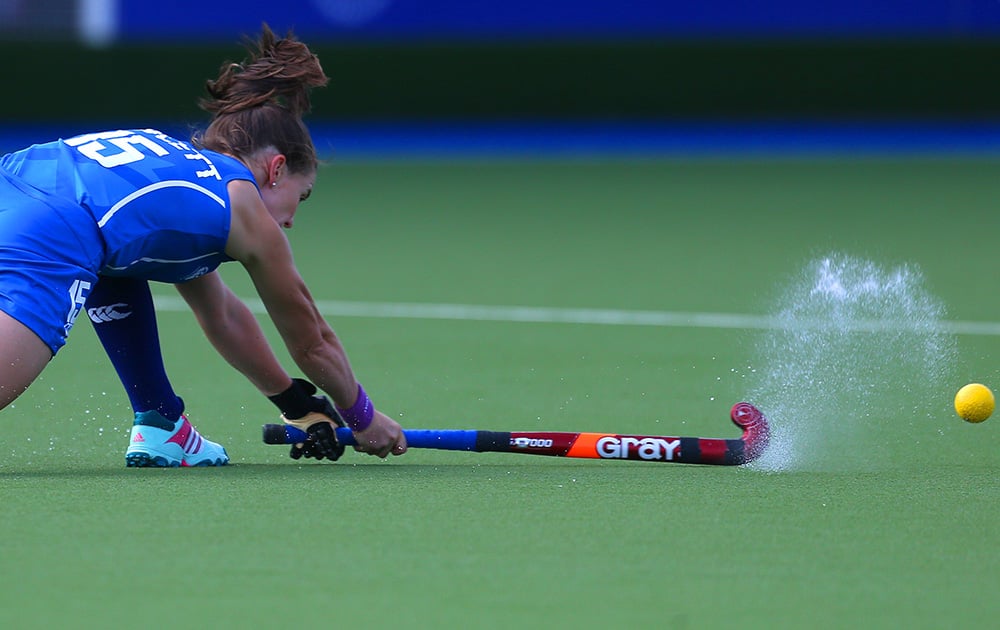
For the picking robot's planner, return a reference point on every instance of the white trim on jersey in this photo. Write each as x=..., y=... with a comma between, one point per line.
x=165, y=261
x=174, y=183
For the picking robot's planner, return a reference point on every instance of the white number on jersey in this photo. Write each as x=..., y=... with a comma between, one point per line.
x=114, y=148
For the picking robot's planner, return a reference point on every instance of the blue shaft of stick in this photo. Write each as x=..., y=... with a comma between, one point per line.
x=447, y=439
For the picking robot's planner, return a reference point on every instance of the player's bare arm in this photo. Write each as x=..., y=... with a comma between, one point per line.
x=234, y=332
x=259, y=244
x=256, y=240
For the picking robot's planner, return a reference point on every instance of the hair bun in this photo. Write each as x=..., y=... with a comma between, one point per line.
x=279, y=72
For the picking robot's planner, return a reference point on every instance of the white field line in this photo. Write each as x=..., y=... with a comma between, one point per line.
x=604, y=317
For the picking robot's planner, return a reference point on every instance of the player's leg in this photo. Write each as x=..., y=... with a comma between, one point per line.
x=124, y=318
x=23, y=356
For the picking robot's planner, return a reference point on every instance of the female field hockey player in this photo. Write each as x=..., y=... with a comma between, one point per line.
x=87, y=222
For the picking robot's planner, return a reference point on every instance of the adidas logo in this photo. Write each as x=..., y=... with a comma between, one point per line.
x=138, y=438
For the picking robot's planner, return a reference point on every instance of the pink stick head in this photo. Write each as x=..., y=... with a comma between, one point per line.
x=756, y=431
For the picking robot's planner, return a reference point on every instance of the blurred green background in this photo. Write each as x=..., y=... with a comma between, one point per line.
x=944, y=79
x=517, y=60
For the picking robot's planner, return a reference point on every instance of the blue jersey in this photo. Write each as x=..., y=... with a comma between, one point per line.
x=131, y=203
x=161, y=206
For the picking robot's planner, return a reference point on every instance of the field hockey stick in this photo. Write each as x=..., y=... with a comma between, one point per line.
x=654, y=448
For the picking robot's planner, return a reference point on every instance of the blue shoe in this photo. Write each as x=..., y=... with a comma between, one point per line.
x=159, y=443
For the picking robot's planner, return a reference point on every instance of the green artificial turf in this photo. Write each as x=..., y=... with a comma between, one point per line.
x=888, y=519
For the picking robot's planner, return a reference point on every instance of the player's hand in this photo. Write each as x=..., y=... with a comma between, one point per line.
x=320, y=423
x=382, y=437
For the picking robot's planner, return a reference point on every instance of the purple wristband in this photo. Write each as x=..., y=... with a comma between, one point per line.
x=360, y=414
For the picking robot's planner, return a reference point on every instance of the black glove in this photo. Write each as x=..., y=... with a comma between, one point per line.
x=315, y=415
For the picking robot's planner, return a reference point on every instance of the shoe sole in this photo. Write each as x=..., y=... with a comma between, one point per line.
x=145, y=460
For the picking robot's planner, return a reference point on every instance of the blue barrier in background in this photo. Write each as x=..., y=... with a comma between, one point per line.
x=609, y=140
x=458, y=19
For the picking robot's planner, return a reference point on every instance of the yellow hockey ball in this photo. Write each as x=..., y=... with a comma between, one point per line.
x=974, y=402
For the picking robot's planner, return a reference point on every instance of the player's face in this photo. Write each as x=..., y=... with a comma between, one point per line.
x=283, y=199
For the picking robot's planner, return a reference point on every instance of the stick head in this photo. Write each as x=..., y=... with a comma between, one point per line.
x=756, y=431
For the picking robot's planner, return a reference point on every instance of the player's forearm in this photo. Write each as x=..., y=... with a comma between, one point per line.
x=325, y=363
x=240, y=340
x=309, y=339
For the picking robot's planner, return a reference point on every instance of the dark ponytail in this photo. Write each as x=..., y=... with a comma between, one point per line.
x=260, y=103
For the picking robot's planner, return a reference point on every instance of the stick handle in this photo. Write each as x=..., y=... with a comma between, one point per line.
x=447, y=440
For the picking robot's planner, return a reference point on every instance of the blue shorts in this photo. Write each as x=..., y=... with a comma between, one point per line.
x=50, y=252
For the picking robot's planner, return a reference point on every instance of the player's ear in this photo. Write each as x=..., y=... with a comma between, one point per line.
x=276, y=167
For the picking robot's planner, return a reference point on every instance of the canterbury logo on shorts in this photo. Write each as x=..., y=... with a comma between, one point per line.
x=110, y=313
